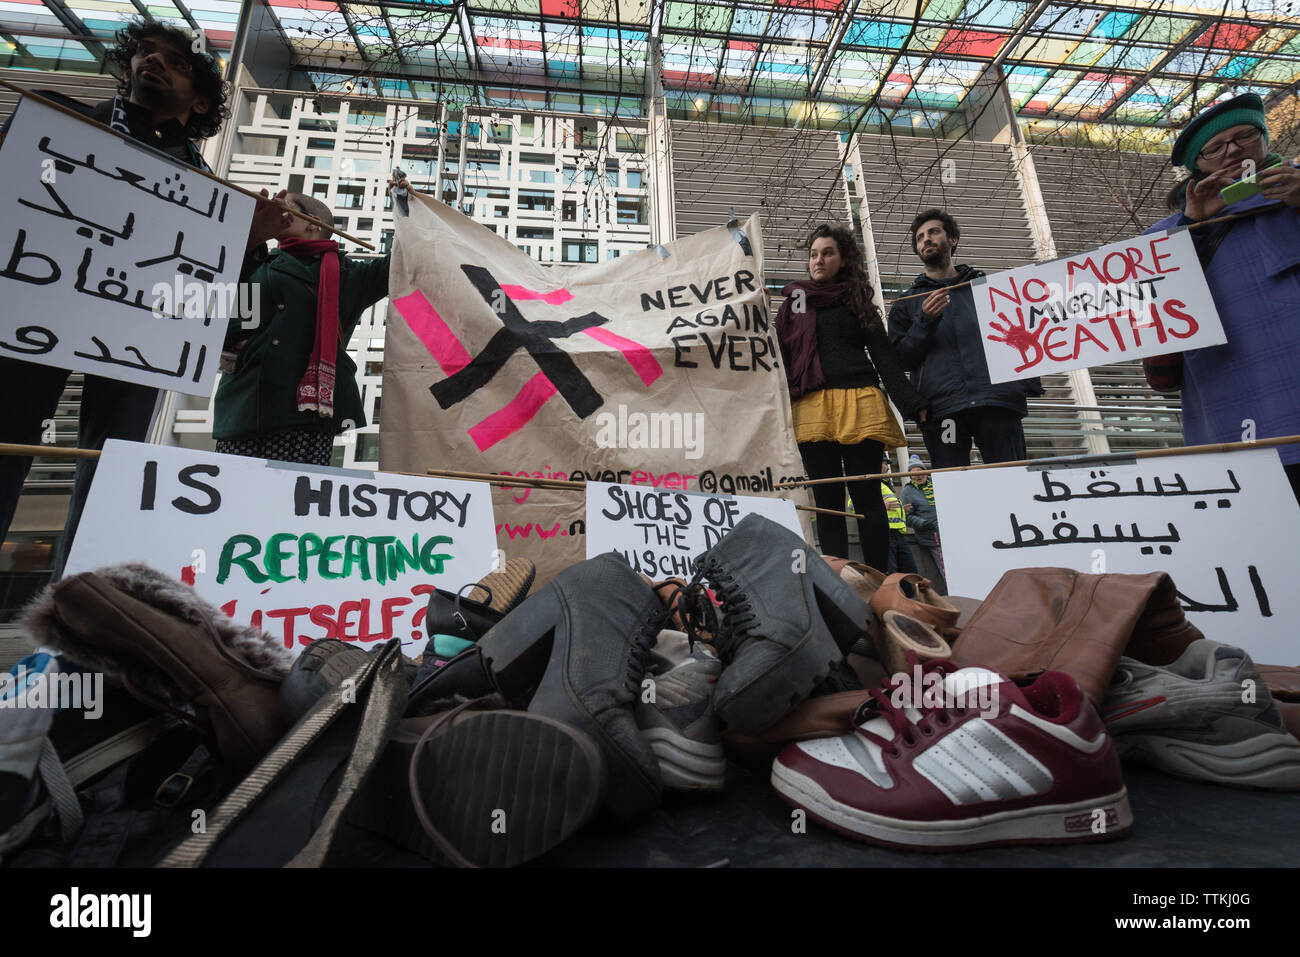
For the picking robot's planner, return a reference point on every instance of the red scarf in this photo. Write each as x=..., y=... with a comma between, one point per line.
x=316, y=390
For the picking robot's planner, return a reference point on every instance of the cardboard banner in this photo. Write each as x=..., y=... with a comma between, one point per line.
x=659, y=533
x=301, y=551
x=1144, y=296
x=1224, y=526
x=115, y=260
x=661, y=372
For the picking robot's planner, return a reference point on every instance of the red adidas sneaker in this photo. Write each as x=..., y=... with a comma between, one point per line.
x=947, y=759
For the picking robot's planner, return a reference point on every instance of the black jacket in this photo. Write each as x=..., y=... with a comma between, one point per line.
x=946, y=355
x=166, y=138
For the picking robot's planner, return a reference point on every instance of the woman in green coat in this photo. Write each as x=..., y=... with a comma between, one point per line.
x=294, y=387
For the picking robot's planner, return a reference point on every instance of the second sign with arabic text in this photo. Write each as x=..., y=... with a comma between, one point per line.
x=1224, y=526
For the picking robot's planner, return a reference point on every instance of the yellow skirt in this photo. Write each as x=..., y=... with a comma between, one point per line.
x=847, y=416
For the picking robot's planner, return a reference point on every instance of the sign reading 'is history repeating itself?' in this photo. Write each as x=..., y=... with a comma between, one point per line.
x=658, y=369
x=659, y=533
x=114, y=259
x=1225, y=526
x=1144, y=296
x=302, y=552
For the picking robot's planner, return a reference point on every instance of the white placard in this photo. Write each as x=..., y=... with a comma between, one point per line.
x=660, y=532
x=114, y=259
x=1225, y=527
x=1144, y=296
x=301, y=551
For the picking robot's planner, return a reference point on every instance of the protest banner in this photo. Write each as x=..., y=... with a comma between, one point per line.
x=303, y=552
x=115, y=259
x=659, y=369
x=1223, y=525
x=659, y=533
x=1144, y=296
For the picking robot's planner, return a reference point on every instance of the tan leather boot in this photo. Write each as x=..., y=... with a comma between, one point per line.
x=1057, y=619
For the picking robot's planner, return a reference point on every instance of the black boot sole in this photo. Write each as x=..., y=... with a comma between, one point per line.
x=525, y=664
x=502, y=787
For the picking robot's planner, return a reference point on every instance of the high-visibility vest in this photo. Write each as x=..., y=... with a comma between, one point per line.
x=893, y=508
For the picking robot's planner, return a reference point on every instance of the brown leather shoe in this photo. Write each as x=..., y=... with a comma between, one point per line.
x=924, y=603
x=1283, y=682
x=864, y=579
x=1057, y=619
x=896, y=634
x=170, y=651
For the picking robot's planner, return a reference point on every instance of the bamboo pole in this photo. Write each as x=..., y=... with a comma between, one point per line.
x=511, y=481
x=47, y=451
x=212, y=176
x=523, y=481
x=1067, y=461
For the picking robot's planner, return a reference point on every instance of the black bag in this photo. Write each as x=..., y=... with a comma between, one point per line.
x=289, y=811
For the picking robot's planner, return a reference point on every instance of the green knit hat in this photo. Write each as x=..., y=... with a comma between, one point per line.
x=1244, y=110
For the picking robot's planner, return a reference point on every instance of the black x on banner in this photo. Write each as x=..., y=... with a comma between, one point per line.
x=538, y=338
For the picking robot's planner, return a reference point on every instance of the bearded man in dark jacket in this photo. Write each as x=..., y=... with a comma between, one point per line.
x=937, y=336
x=171, y=95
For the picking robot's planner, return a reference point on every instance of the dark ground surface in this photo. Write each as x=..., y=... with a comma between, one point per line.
x=1175, y=824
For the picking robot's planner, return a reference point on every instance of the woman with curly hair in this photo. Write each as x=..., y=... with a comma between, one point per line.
x=836, y=354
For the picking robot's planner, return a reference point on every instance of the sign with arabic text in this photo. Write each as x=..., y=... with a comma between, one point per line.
x=302, y=552
x=114, y=259
x=1144, y=296
x=660, y=532
x=1223, y=525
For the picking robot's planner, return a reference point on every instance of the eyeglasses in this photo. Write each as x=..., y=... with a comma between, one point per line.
x=1242, y=139
x=176, y=62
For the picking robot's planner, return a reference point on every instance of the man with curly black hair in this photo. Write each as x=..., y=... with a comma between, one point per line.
x=170, y=95
x=161, y=71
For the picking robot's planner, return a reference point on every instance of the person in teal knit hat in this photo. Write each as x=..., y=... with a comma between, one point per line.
x=1249, y=387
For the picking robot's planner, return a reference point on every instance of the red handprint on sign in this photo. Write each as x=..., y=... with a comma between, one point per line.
x=1018, y=336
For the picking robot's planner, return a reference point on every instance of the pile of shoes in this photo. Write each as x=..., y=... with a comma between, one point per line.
x=1011, y=730
x=883, y=710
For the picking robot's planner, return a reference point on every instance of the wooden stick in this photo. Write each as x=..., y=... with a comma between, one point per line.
x=492, y=478
x=212, y=176
x=1066, y=461
x=47, y=451
x=828, y=511
x=523, y=481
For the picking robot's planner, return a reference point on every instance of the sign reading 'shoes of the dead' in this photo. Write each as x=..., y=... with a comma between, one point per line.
x=659, y=532
x=114, y=260
x=1224, y=526
x=305, y=553
x=1141, y=297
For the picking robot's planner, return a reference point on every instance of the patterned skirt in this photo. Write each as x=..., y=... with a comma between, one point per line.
x=293, y=445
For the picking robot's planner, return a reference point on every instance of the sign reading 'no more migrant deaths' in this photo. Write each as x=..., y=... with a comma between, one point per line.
x=659, y=532
x=1224, y=526
x=114, y=259
x=303, y=553
x=1145, y=296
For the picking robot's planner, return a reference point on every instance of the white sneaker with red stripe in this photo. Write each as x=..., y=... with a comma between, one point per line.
x=947, y=759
